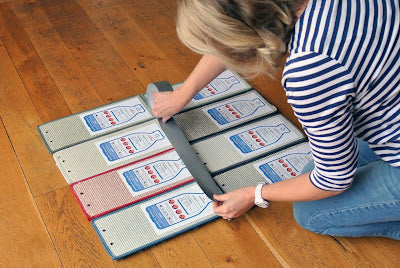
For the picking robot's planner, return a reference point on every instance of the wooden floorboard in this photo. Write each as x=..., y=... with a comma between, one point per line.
x=66, y=56
x=70, y=79
x=234, y=243
x=21, y=118
x=24, y=239
x=30, y=67
x=75, y=240
x=105, y=68
x=148, y=62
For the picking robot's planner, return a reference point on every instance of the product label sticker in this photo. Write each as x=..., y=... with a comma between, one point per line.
x=114, y=116
x=227, y=81
x=172, y=211
x=132, y=144
x=261, y=136
x=150, y=175
x=234, y=110
x=286, y=165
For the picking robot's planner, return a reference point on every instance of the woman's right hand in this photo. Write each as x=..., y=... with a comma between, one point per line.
x=167, y=104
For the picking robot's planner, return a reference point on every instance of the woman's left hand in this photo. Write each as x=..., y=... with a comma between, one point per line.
x=234, y=204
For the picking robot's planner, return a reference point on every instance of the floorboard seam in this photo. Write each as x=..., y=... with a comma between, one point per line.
x=267, y=243
x=30, y=190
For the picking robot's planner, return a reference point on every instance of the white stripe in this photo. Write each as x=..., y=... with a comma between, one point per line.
x=363, y=101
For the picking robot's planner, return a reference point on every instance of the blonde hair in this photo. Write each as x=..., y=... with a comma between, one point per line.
x=249, y=36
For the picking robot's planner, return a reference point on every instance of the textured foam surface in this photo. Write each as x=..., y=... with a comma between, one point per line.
x=70, y=130
x=135, y=182
x=108, y=152
x=215, y=117
x=139, y=191
x=246, y=143
x=143, y=224
x=280, y=166
x=223, y=86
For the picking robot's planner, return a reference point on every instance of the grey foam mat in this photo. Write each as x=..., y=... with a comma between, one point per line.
x=73, y=129
x=225, y=85
x=183, y=147
x=141, y=225
x=248, y=142
x=144, y=224
x=111, y=151
x=226, y=155
x=283, y=165
x=222, y=115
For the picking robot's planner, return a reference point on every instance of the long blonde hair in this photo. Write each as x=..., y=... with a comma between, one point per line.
x=249, y=36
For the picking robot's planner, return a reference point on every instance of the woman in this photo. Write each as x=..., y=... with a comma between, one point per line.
x=342, y=78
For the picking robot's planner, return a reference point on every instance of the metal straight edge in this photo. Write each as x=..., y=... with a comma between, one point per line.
x=182, y=145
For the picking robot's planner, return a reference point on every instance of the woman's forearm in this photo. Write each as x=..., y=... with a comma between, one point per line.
x=236, y=203
x=166, y=104
x=298, y=188
x=205, y=71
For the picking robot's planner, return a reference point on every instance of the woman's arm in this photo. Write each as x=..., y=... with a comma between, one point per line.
x=166, y=104
x=300, y=188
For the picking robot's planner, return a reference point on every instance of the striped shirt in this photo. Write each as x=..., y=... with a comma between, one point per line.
x=342, y=79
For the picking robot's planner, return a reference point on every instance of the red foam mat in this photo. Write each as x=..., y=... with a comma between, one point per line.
x=112, y=190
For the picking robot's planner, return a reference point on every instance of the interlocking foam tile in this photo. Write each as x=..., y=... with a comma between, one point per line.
x=223, y=86
x=77, y=128
x=144, y=224
x=109, y=191
x=276, y=167
x=215, y=117
x=111, y=151
x=190, y=158
x=243, y=144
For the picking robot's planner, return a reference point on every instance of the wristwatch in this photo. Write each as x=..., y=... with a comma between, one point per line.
x=258, y=200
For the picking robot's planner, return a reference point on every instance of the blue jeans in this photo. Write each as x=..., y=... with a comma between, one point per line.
x=370, y=207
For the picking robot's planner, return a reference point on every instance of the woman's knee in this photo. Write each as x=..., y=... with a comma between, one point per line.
x=306, y=217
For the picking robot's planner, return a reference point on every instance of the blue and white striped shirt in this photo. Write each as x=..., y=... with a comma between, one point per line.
x=342, y=79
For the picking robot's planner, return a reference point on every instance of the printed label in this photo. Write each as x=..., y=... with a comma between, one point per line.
x=132, y=144
x=237, y=109
x=285, y=166
x=259, y=137
x=264, y=135
x=176, y=210
x=152, y=175
x=224, y=82
x=114, y=116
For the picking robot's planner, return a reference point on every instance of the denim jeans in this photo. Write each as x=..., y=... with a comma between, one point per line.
x=370, y=207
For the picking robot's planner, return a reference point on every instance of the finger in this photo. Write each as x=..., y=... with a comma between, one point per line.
x=220, y=210
x=155, y=112
x=165, y=119
x=220, y=197
x=217, y=204
x=156, y=96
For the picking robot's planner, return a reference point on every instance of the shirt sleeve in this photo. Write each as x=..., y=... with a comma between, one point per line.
x=321, y=92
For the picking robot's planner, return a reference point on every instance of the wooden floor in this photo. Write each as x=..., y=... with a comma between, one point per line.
x=59, y=57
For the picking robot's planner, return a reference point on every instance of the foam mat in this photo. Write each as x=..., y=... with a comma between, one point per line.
x=222, y=115
x=135, y=182
x=144, y=224
x=283, y=165
x=141, y=181
x=73, y=129
x=223, y=86
x=183, y=147
x=111, y=151
x=243, y=144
